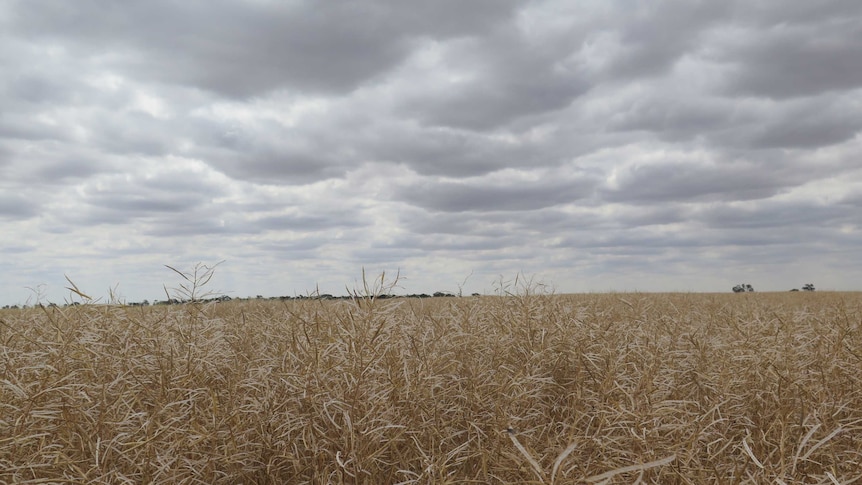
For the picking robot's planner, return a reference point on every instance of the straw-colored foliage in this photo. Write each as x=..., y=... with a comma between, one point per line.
x=529, y=388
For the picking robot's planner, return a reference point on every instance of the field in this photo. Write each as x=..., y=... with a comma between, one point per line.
x=524, y=388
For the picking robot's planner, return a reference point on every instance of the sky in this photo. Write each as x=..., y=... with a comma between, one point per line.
x=583, y=145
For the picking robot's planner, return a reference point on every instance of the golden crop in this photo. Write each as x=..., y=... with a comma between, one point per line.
x=605, y=388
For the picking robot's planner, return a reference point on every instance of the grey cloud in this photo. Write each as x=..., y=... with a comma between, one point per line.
x=451, y=153
x=744, y=124
x=659, y=33
x=229, y=219
x=497, y=101
x=50, y=163
x=38, y=88
x=120, y=200
x=307, y=223
x=640, y=238
x=774, y=215
x=273, y=166
x=521, y=196
x=815, y=123
x=414, y=244
x=245, y=49
x=189, y=224
x=6, y=155
x=420, y=223
x=676, y=119
x=852, y=200
x=132, y=209
x=695, y=181
x=26, y=128
x=203, y=221
x=303, y=245
x=71, y=168
x=18, y=207
x=585, y=221
x=270, y=153
x=18, y=250
x=634, y=216
x=779, y=12
x=137, y=134
x=509, y=78
x=802, y=58
x=680, y=244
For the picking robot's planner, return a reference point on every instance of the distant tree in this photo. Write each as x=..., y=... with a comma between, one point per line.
x=808, y=287
x=743, y=288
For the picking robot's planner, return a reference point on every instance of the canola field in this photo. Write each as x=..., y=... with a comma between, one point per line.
x=521, y=388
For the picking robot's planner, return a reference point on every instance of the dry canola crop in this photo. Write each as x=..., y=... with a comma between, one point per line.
x=526, y=388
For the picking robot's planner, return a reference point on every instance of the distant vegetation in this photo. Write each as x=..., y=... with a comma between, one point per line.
x=746, y=288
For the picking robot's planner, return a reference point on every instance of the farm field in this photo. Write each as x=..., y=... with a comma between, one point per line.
x=526, y=388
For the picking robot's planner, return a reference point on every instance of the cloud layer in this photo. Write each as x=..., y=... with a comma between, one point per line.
x=653, y=146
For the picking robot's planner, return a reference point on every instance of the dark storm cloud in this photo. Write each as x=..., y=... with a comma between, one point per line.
x=242, y=49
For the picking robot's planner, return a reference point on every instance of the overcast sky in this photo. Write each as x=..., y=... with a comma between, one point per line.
x=592, y=145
